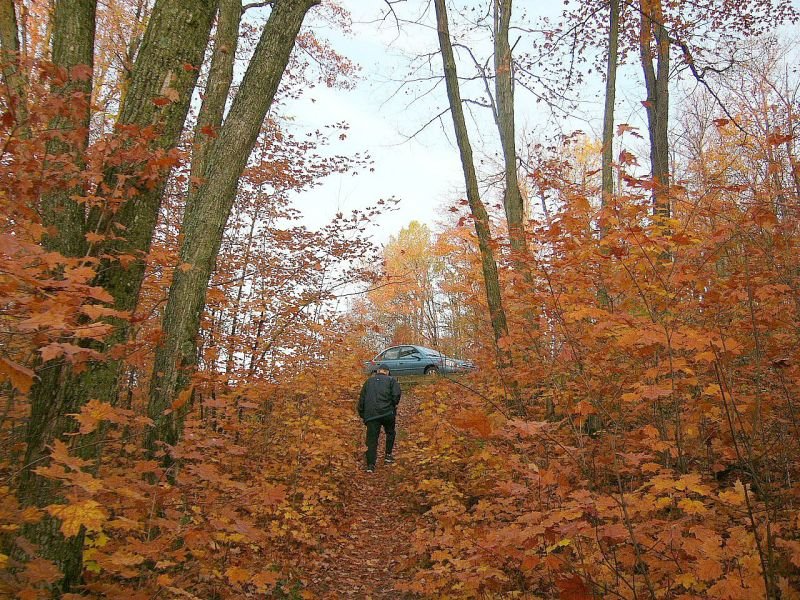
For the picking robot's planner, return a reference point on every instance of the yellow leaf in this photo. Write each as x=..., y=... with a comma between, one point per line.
x=734, y=496
x=692, y=507
x=663, y=502
x=706, y=356
x=237, y=574
x=88, y=514
x=92, y=566
x=126, y=559
x=92, y=413
x=562, y=544
x=265, y=579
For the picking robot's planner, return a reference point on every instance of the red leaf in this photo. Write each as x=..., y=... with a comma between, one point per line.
x=573, y=589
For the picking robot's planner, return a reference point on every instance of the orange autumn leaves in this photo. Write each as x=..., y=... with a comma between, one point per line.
x=657, y=454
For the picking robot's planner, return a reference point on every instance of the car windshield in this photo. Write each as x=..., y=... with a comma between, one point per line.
x=430, y=352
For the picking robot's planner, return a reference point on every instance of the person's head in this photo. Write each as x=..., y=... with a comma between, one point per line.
x=382, y=368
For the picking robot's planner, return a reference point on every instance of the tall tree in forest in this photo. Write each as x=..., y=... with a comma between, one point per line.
x=607, y=187
x=207, y=211
x=504, y=117
x=479, y=214
x=13, y=74
x=73, y=52
x=220, y=76
x=654, y=47
x=158, y=95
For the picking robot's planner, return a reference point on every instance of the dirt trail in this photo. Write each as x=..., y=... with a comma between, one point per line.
x=372, y=550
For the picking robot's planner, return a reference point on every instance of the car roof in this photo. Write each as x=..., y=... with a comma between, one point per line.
x=423, y=348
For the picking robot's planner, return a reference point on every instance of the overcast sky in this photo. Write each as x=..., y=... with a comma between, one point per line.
x=423, y=172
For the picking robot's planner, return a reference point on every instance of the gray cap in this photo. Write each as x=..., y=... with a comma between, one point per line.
x=382, y=367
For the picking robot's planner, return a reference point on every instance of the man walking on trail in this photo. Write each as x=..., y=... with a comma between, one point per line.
x=377, y=407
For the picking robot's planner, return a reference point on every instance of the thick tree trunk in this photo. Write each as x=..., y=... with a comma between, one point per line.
x=9, y=32
x=73, y=46
x=654, y=48
x=177, y=34
x=13, y=75
x=606, y=169
x=480, y=216
x=504, y=91
x=207, y=211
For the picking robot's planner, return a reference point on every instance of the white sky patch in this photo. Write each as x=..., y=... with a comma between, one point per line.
x=420, y=172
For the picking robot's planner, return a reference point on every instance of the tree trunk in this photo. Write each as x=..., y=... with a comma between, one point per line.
x=13, y=74
x=607, y=187
x=207, y=211
x=220, y=76
x=73, y=34
x=481, y=218
x=73, y=45
x=177, y=34
x=9, y=31
x=230, y=363
x=504, y=117
x=654, y=46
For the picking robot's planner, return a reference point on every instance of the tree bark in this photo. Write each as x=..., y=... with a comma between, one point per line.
x=9, y=31
x=207, y=212
x=504, y=117
x=220, y=76
x=606, y=169
x=73, y=34
x=13, y=75
x=479, y=214
x=654, y=51
x=237, y=305
x=73, y=46
x=177, y=34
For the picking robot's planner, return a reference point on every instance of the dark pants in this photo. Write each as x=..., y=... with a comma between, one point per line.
x=373, y=431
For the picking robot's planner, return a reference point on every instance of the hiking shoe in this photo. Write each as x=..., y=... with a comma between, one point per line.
x=370, y=469
x=388, y=459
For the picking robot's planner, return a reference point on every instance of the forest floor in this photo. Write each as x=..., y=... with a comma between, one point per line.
x=371, y=554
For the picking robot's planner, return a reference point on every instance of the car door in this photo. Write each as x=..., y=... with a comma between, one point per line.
x=410, y=361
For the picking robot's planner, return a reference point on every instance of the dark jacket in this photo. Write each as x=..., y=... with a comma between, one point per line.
x=379, y=397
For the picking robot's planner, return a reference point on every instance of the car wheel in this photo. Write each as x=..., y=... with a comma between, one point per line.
x=431, y=370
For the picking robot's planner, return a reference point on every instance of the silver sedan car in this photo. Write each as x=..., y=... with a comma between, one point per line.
x=417, y=360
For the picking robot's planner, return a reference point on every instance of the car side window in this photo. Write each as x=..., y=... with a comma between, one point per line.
x=391, y=354
x=407, y=351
